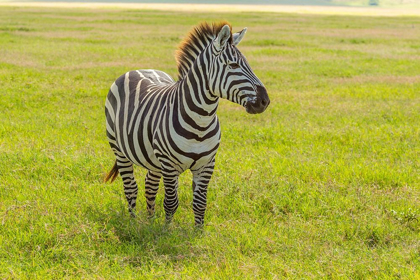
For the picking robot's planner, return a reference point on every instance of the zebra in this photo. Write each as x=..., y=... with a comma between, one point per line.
x=169, y=126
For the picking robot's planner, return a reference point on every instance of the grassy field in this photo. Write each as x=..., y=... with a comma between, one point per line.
x=324, y=184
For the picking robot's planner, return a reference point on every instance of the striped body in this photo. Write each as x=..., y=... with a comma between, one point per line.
x=168, y=127
x=145, y=113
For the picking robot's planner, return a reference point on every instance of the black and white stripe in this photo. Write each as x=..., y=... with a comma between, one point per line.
x=168, y=127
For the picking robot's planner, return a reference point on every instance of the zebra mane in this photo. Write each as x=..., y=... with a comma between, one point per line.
x=195, y=42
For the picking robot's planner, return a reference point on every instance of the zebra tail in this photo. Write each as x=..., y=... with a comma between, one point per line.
x=112, y=174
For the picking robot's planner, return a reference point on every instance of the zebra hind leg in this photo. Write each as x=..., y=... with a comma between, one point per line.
x=125, y=168
x=151, y=185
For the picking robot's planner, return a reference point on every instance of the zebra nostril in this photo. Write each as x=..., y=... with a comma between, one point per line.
x=264, y=102
x=262, y=96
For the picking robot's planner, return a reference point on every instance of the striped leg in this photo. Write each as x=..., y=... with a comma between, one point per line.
x=201, y=179
x=151, y=185
x=125, y=168
x=170, y=203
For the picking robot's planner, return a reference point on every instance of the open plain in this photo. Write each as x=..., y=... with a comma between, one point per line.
x=324, y=184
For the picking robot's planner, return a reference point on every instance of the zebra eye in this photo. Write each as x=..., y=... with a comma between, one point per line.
x=234, y=65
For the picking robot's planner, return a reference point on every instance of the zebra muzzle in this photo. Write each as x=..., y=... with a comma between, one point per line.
x=260, y=103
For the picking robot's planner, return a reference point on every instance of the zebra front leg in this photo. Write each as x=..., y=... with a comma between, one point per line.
x=201, y=179
x=170, y=203
x=151, y=188
x=125, y=168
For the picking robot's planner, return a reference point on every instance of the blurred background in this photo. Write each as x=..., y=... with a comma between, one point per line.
x=356, y=3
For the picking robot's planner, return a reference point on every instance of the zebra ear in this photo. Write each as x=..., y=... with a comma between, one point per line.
x=237, y=37
x=222, y=37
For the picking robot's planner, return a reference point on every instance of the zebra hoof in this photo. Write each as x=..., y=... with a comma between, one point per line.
x=168, y=220
x=132, y=214
x=199, y=225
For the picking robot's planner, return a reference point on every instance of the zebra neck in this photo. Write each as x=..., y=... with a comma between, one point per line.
x=196, y=100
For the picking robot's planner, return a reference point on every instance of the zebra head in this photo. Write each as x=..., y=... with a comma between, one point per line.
x=230, y=75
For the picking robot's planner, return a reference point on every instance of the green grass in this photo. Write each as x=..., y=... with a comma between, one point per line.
x=324, y=184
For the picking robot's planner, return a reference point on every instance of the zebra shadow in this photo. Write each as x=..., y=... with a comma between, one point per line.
x=148, y=237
